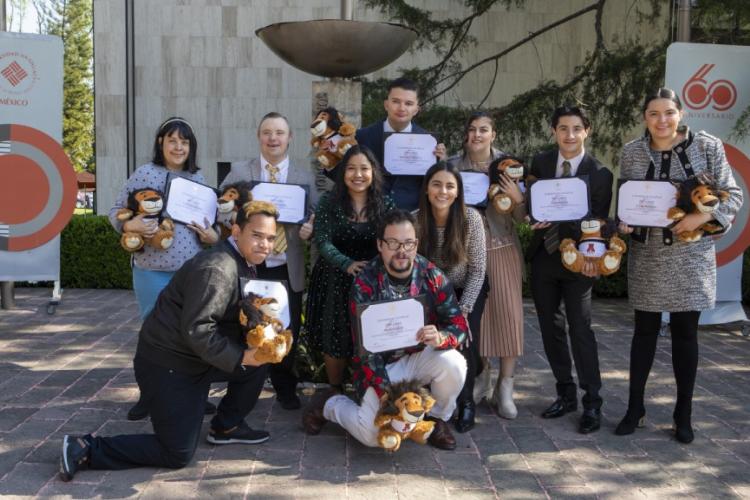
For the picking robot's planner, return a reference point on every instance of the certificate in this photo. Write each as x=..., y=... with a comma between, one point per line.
x=390, y=325
x=289, y=199
x=476, y=185
x=409, y=154
x=189, y=201
x=645, y=203
x=270, y=288
x=559, y=200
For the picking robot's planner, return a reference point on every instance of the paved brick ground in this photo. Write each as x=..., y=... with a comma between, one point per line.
x=71, y=373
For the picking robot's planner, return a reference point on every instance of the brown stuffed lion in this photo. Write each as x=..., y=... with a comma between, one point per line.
x=150, y=202
x=401, y=416
x=331, y=137
x=698, y=195
x=263, y=330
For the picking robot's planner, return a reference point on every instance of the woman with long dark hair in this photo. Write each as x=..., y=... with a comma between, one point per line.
x=502, y=323
x=174, y=152
x=346, y=222
x=666, y=274
x=451, y=235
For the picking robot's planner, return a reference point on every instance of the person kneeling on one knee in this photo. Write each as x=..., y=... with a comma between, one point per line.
x=398, y=272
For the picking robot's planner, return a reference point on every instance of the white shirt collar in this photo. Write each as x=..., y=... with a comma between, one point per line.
x=574, y=163
x=387, y=127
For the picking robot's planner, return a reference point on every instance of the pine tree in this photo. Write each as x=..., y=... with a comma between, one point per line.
x=72, y=20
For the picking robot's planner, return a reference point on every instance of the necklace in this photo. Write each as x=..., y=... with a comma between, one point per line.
x=481, y=166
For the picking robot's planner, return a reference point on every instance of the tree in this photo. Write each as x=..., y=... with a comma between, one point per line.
x=610, y=81
x=72, y=21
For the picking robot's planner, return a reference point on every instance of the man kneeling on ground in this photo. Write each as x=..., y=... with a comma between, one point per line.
x=399, y=272
x=192, y=338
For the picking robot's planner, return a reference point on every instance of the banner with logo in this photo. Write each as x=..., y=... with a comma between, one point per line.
x=37, y=182
x=713, y=82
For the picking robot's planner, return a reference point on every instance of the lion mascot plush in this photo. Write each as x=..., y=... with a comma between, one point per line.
x=259, y=317
x=228, y=204
x=606, y=253
x=515, y=170
x=331, y=137
x=150, y=202
x=698, y=195
x=401, y=415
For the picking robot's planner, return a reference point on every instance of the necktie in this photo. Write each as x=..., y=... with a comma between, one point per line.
x=552, y=236
x=280, y=245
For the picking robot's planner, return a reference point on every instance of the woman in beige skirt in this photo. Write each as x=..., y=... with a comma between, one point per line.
x=502, y=323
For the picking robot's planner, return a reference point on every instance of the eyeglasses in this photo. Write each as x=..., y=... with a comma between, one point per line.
x=395, y=245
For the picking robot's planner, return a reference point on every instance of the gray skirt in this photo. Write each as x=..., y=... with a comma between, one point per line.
x=671, y=278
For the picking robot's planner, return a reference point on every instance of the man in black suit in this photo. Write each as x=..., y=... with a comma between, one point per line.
x=551, y=283
x=401, y=106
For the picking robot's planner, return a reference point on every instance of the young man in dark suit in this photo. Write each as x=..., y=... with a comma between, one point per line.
x=401, y=106
x=552, y=284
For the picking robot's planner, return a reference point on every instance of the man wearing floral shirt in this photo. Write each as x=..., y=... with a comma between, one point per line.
x=399, y=272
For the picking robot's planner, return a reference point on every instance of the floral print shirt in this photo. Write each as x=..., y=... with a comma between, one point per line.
x=373, y=285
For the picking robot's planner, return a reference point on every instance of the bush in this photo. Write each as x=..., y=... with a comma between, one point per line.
x=91, y=255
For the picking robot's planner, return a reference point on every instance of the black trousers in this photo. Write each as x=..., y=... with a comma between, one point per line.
x=551, y=286
x=471, y=351
x=282, y=376
x=176, y=402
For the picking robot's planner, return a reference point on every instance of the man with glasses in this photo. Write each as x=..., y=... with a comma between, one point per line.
x=398, y=272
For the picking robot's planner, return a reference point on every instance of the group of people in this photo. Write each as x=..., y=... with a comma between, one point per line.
x=384, y=237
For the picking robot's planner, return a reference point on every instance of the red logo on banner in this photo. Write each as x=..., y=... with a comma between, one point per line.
x=699, y=93
x=14, y=73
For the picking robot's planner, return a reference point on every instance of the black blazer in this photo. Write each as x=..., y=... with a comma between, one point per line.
x=544, y=166
x=404, y=189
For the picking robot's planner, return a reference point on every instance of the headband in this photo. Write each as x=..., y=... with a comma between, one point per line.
x=176, y=120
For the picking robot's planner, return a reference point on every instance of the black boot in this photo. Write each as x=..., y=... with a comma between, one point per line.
x=465, y=421
x=630, y=421
x=642, y=351
x=683, y=429
x=685, y=366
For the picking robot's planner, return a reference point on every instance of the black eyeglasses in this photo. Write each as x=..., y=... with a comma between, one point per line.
x=395, y=245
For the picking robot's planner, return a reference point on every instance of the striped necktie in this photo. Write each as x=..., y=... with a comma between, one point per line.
x=552, y=236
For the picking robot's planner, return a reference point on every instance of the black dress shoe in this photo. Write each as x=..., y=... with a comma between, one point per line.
x=290, y=402
x=465, y=421
x=139, y=411
x=590, y=421
x=560, y=407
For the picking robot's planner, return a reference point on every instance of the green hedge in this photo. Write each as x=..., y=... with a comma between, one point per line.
x=91, y=255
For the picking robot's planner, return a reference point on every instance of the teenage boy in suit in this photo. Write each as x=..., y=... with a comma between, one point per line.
x=552, y=284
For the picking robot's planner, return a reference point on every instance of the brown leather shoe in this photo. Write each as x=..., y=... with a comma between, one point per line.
x=441, y=436
x=312, y=418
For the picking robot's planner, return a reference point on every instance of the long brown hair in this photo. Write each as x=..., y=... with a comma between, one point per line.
x=454, y=244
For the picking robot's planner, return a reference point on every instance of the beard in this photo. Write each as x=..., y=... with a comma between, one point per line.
x=393, y=266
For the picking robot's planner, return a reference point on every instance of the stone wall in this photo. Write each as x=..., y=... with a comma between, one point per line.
x=200, y=59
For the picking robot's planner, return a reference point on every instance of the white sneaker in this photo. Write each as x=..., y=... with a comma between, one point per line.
x=506, y=408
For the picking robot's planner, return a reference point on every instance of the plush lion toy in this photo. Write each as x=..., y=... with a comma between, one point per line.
x=515, y=170
x=607, y=255
x=698, y=195
x=262, y=328
x=401, y=415
x=147, y=201
x=331, y=137
x=231, y=199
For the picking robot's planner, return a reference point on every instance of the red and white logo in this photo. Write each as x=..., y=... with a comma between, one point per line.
x=14, y=73
x=699, y=93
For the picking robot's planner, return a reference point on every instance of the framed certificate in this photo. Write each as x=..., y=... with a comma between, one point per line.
x=642, y=203
x=390, y=325
x=408, y=154
x=269, y=288
x=290, y=199
x=476, y=185
x=189, y=201
x=559, y=200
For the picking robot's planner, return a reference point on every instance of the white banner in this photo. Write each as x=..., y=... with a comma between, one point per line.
x=35, y=178
x=713, y=82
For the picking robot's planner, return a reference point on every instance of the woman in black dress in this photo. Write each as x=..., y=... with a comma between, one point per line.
x=346, y=222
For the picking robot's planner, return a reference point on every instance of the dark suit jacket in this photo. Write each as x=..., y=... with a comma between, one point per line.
x=544, y=165
x=404, y=189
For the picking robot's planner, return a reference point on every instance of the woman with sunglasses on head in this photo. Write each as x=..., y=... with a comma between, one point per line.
x=502, y=323
x=451, y=235
x=346, y=222
x=174, y=152
x=666, y=274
